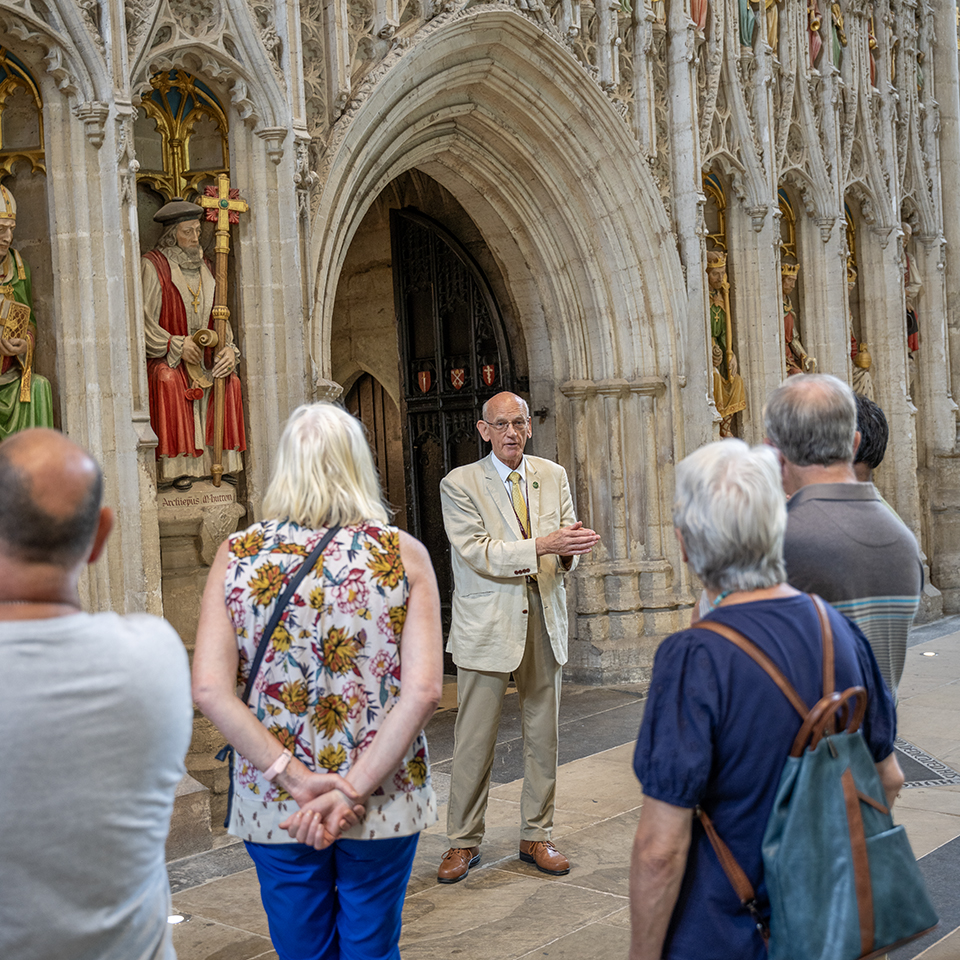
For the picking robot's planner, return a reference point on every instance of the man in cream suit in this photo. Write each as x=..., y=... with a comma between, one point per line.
x=513, y=536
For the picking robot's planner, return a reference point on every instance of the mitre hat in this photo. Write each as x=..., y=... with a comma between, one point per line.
x=8, y=206
x=177, y=211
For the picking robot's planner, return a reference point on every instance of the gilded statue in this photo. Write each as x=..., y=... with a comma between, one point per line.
x=26, y=399
x=859, y=353
x=839, y=36
x=798, y=361
x=729, y=394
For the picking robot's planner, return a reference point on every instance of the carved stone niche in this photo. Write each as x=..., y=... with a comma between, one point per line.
x=626, y=594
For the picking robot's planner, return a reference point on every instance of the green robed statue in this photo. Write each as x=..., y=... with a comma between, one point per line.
x=25, y=397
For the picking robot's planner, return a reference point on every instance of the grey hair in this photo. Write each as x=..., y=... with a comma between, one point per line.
x=324, y=472
x=524, y=404
x=812, y=419
x=730, y=509
x=169, y=236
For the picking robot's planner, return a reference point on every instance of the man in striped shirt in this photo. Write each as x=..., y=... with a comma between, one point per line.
x=842, y=540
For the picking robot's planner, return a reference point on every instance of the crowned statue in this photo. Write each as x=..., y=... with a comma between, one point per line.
x=184, y=356
x=798, y=361
x=729, y=394
x=26, y=399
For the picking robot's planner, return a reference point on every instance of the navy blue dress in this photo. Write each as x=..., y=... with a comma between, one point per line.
x=716, y=732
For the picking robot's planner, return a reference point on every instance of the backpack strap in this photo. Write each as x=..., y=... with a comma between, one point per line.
x=826, y=640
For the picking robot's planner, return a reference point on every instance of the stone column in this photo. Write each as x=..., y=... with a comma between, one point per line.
x=629, y=592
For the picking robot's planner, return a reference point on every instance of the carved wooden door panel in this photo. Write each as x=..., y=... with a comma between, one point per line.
x=454, y=356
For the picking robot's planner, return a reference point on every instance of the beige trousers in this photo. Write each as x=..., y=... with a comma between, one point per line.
x=480, y=695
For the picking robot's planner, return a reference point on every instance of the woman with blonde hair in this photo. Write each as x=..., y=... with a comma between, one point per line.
x=330, y=784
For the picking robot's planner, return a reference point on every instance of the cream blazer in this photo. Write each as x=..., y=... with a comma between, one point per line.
x=491, y=561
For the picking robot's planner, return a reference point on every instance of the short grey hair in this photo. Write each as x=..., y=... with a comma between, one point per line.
x=730, y=509
x=812, y=420
x=169, y=237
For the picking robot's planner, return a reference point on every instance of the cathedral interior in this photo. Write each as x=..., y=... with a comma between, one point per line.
x=639, y=215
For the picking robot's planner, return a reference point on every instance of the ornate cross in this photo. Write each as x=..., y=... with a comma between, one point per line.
x=224, y=206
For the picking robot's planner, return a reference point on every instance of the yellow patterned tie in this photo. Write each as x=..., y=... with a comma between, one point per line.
x=519, y=504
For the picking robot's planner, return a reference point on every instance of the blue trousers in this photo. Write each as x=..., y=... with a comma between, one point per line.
x=342, y=903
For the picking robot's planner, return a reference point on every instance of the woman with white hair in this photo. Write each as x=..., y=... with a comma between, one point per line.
x=330, y=784
x=716, y=731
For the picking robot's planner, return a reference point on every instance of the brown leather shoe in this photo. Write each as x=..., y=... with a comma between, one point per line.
x=456, y=863
x=545, y=855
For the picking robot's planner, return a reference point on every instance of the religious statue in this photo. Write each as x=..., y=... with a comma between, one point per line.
x=797, y=359
x=184, y=356
x=838, y=35
x=698, y=14
x=912, y=284
x=871, y=50
x=748, y=22
x=859, y=353
x=773, y=23
x=729, y=394
x=26, y=399
x=814, y=39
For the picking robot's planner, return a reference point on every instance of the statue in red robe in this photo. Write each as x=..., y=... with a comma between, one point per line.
x=178, y=295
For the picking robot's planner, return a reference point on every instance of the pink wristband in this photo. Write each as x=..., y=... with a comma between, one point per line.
x=278, y=766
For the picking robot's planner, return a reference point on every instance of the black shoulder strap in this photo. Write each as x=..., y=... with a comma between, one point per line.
x=292, y=585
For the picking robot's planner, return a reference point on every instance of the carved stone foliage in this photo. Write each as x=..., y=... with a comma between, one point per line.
x=312, y=43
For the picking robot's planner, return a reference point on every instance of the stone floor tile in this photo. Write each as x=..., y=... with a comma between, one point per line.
x=234, y=901
x=599, y=856
x=946, y=949
x=927, y=829
x=203, y=939
x=619, y=919
x=597, y=941
x=944, y=799
x=588, y=788
x=496, y=915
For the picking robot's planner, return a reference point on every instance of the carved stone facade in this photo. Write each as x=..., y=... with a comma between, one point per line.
x=574, y=138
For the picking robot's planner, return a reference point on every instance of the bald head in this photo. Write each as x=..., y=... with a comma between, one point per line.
x=812, y=420
x=50, y=492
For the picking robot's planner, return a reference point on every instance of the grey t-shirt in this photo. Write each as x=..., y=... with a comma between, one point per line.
x=96, y=717
x=844, y=543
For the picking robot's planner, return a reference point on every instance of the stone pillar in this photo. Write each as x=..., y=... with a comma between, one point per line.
x=754, y=238
x=629, y=593
x=272, y=320
x=945, y=539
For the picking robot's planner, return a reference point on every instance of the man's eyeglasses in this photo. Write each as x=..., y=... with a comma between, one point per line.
x=520, y=424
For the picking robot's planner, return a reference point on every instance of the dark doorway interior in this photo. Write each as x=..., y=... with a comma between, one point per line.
x=454, y=355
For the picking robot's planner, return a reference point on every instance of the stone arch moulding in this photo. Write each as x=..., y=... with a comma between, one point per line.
x=63, y=50
x=249, y=84
x=509, y=122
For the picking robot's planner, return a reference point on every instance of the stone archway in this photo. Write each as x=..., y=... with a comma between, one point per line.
x=506, y=121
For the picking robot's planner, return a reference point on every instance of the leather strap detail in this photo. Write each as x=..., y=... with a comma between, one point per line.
x=826, y=634
x=760, y=658
x=861, y=864
x=871, y=802
x=738, y=879
x=822, y=719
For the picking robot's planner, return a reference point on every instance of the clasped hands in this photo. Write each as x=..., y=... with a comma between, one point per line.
x=15, y=347
x=223, y=365
x=328, y=806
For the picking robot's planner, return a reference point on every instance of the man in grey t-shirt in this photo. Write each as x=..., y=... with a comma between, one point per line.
x=842, y=541
x=96, y=718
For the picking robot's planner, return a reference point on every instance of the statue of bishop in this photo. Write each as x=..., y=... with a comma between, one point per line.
x=183, y=356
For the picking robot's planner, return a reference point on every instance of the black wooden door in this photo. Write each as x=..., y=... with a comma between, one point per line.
x=454, y=356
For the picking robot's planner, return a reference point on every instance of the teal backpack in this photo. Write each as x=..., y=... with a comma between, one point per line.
x=842, y=879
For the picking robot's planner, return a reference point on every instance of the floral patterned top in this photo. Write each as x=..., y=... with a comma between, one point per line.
x=331, y=672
